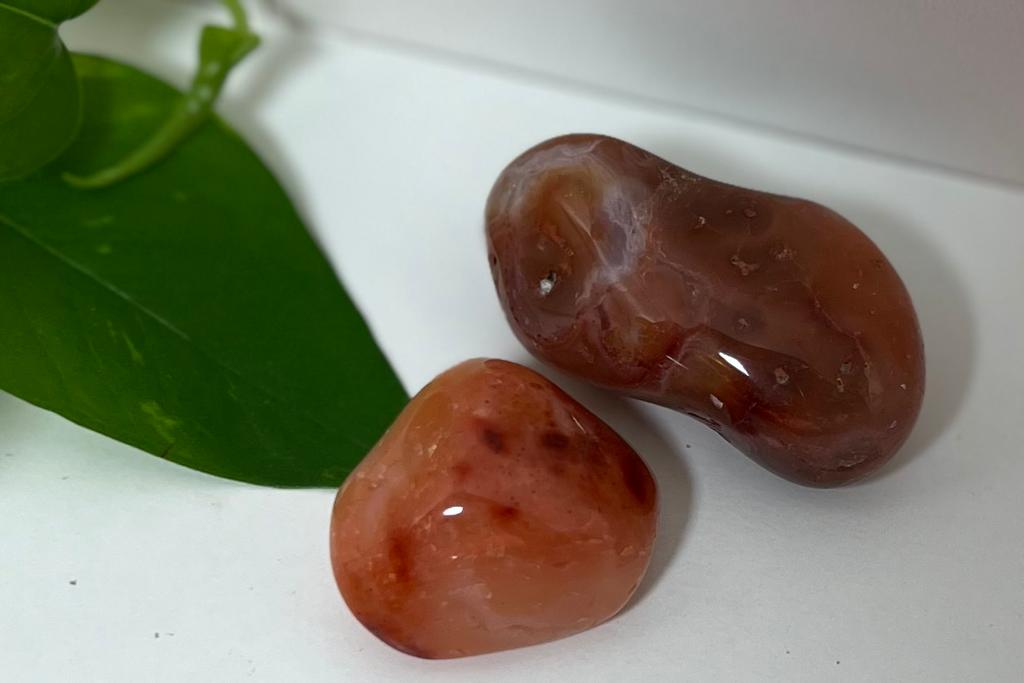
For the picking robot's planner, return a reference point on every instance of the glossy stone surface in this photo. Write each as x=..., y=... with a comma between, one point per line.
x=772, y=319
x=496, y=512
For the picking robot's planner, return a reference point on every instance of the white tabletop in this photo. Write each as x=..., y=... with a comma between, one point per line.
x=117, y=566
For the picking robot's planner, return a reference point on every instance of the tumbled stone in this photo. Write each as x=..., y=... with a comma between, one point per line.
x=771, y=319
x=496, y=512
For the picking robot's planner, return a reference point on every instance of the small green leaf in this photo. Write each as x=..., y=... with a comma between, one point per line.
x=220, y=49
x=185, y=310
x=39, y=99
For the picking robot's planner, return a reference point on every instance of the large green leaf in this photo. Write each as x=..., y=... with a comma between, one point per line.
x=39, y=98
x=184, y=310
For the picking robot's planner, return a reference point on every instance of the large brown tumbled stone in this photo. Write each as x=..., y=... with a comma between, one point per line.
x=772, y=319
x=496, y=512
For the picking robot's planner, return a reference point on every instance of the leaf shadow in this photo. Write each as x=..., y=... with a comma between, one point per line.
x=663, y=458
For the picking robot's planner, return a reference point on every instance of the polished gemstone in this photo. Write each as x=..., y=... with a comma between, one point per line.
x=773, y=320
x=496, y=512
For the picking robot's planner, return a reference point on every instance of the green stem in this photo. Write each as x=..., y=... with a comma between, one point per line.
x=220, y=49
x=237, y=15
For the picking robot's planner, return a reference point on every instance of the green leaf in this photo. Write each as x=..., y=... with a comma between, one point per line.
x=39, y=98
x=186, y=310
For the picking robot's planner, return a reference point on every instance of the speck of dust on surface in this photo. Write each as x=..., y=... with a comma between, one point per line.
x=73, y=582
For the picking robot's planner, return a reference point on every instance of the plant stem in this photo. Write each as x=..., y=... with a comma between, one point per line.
x=237, y=14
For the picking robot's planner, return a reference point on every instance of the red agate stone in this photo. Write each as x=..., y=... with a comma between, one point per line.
x=496, y=512
x=774, y=320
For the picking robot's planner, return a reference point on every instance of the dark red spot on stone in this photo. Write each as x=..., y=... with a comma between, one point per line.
x=556, y=440
x=505, y=513
x=493, y=439
x=462, y=470
x=400, y=557
x=637, y=479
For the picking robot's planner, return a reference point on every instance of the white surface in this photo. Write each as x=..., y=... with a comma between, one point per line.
x=935, y=80
x=917, y=575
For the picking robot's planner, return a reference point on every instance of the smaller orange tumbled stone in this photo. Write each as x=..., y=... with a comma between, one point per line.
x=496, y=512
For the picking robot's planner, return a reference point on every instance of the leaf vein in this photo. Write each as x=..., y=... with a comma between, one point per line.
x=28, y=15
x=170, y=327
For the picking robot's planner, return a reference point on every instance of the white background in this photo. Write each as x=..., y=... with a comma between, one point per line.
x=933, y=80
x=916, y=575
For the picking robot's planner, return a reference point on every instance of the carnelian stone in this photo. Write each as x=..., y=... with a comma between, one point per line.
x=496, y=512
x=774, y=320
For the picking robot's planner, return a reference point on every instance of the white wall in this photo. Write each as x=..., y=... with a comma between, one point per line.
x=935, y=80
